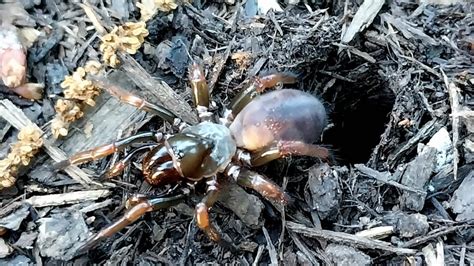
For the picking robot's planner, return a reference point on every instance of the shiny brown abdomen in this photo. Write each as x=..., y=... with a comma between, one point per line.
x=279, y=115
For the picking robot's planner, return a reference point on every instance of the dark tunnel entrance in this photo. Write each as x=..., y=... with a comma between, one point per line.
x=359, y=115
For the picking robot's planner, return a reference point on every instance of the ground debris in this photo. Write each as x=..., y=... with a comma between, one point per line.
x=120, y=257
x=14, y=216
x=396, y=78
x=246, y=206
x=362, y=19
x=407, y=225
x=345, y=255
x=26, y=240
x=462, y=202
x=19, y=260
x=325, y=192
x=61, y=234
x=431, y=158
x=5, y=249
x=66, y=198
x=339, y=237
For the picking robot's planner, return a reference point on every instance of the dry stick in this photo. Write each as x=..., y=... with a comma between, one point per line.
x=423, y=239
x=67, y=198
x=219, y=66
x=348, y=239
x=462, y=256
x=19, y=120
x=303, y=248
x=96, y=206
x=271, y=249
x=430, y=255
x=428, y=130
x=162, y=91
x=377, y=232
x=440, y=252
x=385, y=178
x=453, y=91
x=258, y=256
x=362, y=19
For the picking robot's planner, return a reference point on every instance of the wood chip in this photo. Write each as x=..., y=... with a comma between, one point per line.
x=94, y=18
x=67, y=198
x=271, y=248
x=344, y=238
x=453, y=91
x=362, y=19
x=377, y=232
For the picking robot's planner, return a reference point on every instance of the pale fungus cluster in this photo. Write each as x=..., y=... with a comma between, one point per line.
x=29, y=142
x=78, y=93
x=126, y=38
x=148, y=8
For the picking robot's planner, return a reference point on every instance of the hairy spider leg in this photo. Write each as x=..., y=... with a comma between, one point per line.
x=108, y=149
x=261, y=184
x=202, y=211
x=133, y=100
x=257, y=86
x=139, y=206
x=284, y=148
x=118, y=167
x=200, y=91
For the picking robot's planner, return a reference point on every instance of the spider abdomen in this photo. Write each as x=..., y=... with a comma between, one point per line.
x=287, y=115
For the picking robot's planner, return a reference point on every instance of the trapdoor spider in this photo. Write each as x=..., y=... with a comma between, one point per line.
x=255, y=129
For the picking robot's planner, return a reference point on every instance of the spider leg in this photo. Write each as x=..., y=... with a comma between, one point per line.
x=202, y=211
x=108, y=149
x=118, y=167
x=133, y=100
x=200, y=91
x=257, y=182
x=139, y=206
x=281, y=149
x=257, y=86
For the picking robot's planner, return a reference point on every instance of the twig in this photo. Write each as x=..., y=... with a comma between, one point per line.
x=67, y=198
x=304, y=248
x=19, y=120
x=385, y=178
x=377, y=232
x=434, y=257
x=90, y=13
x=96, y=206
x=191, y=232
x=462, y=256
x=271, y=249
x=219, y=66
x=453, y=91
x=357, y=52
x=336, y=76
x=425, y=132
x=362, y=19
x=259, y=255
x=432, y=235
x=424, y=66
x=349, y=239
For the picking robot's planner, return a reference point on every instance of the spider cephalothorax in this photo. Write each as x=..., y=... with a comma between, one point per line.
x=254, y=130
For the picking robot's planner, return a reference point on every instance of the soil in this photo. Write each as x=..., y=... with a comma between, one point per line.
x=399, y=97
